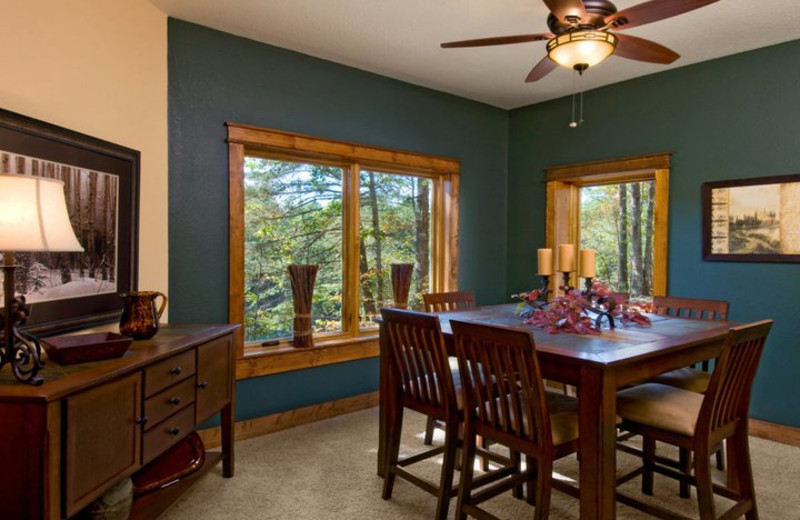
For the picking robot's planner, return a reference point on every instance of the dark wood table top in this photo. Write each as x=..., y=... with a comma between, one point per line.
x=624, y=344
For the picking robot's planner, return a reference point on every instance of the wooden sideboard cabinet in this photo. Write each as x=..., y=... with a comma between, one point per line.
x=64, y=443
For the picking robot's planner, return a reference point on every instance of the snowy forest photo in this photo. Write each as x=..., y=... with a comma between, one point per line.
x=92, y=201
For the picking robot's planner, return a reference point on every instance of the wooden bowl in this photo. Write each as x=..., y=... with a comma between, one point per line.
x=82, y=348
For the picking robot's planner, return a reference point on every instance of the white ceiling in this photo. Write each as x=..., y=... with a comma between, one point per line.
x=400, y=38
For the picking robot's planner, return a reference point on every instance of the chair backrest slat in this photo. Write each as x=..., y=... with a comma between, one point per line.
x=418, y=358
x=728, y=396
x=501, y=380
x=693, y=308
x=449, y=301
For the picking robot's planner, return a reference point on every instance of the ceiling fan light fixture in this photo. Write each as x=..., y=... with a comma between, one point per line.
x=580, y=50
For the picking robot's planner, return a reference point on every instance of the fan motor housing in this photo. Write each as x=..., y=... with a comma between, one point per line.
x=596, y=12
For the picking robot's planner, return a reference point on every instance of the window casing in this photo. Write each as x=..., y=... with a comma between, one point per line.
x=353, y=160
x=563, y=203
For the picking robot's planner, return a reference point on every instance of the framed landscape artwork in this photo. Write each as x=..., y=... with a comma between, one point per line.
x=752, y=220
x=101, y=185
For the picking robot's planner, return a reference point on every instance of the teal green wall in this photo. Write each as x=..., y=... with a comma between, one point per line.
x=216, y=77
x=731, y=118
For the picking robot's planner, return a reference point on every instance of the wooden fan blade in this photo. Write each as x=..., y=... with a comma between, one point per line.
x=499, y=40
x=563, y=9
x=653, y=11
x=635, y=48
x=542, y=69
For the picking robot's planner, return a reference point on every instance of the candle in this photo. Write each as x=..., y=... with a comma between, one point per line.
x=566, y=258
x=587, y=263
x=545, y=262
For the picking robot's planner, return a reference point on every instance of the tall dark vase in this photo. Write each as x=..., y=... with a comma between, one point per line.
x=401, y=283
x=302, y=278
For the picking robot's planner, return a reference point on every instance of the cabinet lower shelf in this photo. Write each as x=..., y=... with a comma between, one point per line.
x=151, y=505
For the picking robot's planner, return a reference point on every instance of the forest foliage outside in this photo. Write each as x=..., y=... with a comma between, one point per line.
x=617, y=221
x=293, y=214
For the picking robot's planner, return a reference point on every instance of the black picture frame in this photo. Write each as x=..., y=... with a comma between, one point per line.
x=756, y=229
x=43, y=141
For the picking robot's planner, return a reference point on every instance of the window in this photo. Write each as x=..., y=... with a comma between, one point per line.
x=354, y=210
x=581, y=201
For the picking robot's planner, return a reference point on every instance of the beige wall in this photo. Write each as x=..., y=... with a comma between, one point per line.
x=98, y=67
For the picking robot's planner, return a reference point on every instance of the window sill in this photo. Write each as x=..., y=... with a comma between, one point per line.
x=285, y=358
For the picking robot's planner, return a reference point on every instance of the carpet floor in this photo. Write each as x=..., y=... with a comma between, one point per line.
x=327, y=471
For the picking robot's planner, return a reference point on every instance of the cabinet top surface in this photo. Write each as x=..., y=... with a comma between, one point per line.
x=60, y=380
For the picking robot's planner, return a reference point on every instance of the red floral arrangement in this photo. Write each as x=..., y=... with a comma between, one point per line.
x=570, y=313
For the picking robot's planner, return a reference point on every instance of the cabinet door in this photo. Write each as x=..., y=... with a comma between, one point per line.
x=103, y=439
x=214, y=377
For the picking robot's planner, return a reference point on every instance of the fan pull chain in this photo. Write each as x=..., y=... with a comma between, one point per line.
x=576, y=123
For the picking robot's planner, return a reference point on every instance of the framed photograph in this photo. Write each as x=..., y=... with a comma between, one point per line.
x=101, y=184
x=752, y=220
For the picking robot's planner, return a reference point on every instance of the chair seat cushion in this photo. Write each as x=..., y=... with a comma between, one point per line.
x=660, y=406
x=685, y=378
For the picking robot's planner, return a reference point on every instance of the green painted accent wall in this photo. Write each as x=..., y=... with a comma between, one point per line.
x=215, y=77
x=731, y=118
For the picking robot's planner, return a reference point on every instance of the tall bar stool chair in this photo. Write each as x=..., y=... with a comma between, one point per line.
x=699, y=422
x=420, y=379
x=442, y=302
x=505, y=402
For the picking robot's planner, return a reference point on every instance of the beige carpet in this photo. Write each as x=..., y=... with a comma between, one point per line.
x=327, y=470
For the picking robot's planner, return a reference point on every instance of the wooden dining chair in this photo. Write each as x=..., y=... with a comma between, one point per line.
x=698, y=422
x=442, y=302
x=692, y=308
x=449, y=301
x=420, y=380
x=505, y=402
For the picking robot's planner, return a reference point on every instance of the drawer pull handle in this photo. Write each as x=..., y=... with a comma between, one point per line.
x=174, y=431
x=141, y=420
x=175, y=401
x=176, y=371
x=202, y=384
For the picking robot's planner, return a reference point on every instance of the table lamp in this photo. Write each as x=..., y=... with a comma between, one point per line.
x=33, y=218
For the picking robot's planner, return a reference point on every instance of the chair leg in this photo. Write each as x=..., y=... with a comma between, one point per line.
x=394, y=428
x=484, y=460
x=530, y=485
x=429, y=427
x=467, y=471
x=705, y=491
x=448, y=468
x=544, y=480
x=741, y=451
x=516, y=461
x=648, y=459
x=685, y=462
x=720, y=454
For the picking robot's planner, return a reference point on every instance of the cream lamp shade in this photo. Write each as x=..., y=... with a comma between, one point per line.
x=33, y=215
x=580, y=50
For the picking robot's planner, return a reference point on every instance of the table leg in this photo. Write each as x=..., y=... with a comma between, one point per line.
x=598, y=437
x=383, y=395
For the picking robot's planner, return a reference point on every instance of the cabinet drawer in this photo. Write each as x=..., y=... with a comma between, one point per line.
x=165, y=403
x=168, y=372
x=167, y=432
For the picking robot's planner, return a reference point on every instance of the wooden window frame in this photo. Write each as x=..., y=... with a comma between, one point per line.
x=563, y=203
x=354, y=342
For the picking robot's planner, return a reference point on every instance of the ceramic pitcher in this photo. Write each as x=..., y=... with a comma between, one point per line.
x=140, y=315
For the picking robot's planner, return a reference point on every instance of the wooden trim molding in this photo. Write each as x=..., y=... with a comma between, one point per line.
x=287, y=358
x=255, y=137
x=661, y=161
x=289, y=419
x=775, y=432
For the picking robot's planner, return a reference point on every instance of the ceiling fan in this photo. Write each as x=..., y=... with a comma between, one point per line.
x=585, y=32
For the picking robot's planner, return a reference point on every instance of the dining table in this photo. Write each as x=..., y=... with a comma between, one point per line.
x=597, y=365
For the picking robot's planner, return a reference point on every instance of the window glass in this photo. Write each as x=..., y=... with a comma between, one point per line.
x=395, y=227
x=293, y=215
x=617, y=222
